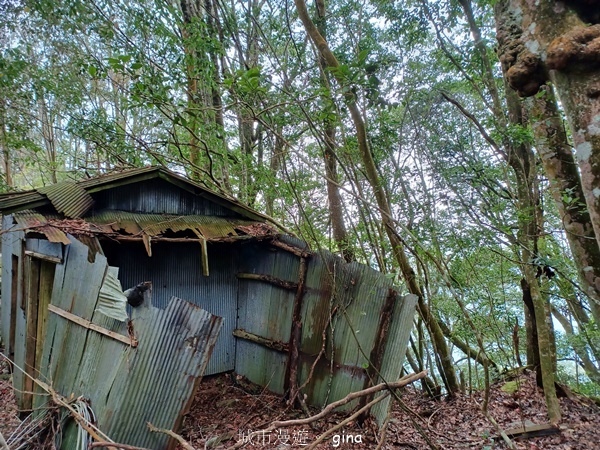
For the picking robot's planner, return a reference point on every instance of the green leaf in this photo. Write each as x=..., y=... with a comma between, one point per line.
x=253, y=73
x=92, y=71
x=362, y=56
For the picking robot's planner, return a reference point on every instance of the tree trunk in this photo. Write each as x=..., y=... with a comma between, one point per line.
x=520, y=157
x=565, y=185
x=336, y=211
x=6, y=160
x=203, y=98
x=556, y=43
x=450, y=379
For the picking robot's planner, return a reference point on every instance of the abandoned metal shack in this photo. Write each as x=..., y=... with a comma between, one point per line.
x=270, y=309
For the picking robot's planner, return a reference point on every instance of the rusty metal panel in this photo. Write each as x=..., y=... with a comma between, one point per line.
x=342, y=303
x=157, y=224
x=127, y=386
x=399, y=333
x=68, y=198
x=175, y=269
x=31, y=220
x=175, y=346
x=265, y=310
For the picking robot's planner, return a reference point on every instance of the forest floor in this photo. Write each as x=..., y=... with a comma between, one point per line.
x=226, y=409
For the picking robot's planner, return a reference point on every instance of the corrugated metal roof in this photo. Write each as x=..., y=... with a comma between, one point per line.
x=31, y=220
x=15, y=200
x=137, y=225
x=68, y=198
x=209, y=227
x=63, y=196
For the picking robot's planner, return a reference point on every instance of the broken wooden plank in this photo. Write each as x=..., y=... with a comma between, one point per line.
x=290, y=285
x=147, y=244
x=42, y=256
x=32, y=279
x=530, y=431
x=87, y=324
x=275, y=345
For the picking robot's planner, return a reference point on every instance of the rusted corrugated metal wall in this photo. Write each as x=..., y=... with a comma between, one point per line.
x=127, y=386
x=345, y=303
x=176, y=269
x=265, y=310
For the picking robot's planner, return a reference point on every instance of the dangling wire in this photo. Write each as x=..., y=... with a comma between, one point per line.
x=84, y=439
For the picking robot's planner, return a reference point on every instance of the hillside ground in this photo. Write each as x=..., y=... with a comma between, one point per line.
x=226, y=409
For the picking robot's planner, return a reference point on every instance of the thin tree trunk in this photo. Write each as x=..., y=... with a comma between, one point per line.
x=336, y=211
x=450, y=379
x=590, y=368
x=6, y=159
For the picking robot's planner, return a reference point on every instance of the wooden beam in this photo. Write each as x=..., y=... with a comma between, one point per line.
x=289, y=248
x=52, y=259
x=291, y=380
x=228, y=239
x=269, y=343
x=204, y=257
x=92, y=326
x=290, y=285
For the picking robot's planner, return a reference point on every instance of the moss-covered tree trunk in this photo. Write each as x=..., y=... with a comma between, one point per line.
x=565, y=185
x=560, y=42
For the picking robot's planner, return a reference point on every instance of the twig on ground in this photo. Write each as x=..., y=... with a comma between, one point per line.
x=383, y=431
x=344, y=422
x=185, y=444
x=415, y=423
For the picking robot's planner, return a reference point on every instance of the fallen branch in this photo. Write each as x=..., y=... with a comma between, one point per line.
x=332, y=406
x=185, y=444
x=346, y=421
x=509, y=443
x=63, y=402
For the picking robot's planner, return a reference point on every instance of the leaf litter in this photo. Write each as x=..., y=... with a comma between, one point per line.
x=227, y=408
